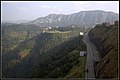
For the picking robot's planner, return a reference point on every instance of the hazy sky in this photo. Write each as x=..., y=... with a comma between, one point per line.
x=29, y=10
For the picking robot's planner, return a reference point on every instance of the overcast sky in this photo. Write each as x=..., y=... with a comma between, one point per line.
x=30, y=10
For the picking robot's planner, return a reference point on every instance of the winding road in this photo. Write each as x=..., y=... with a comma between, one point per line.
x=92, y=56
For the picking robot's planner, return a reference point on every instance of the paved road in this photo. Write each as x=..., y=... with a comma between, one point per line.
x=92, y=56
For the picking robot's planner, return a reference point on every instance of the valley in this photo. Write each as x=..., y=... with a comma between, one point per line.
x=38, y=49
x=52, y=49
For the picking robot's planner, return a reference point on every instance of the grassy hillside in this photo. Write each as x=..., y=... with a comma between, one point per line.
x=29, y=50
x=62, y=61
x=24, y=49
x=14, y=34
x=106, y=40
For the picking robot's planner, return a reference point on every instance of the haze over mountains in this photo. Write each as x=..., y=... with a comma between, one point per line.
x=15, y=21
x=83, y=18
x=49, y=47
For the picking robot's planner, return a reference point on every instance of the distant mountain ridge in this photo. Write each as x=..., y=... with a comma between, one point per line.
x=83, y=18
x=15, y=21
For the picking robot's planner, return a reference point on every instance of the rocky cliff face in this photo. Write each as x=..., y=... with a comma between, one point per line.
x=83, y=18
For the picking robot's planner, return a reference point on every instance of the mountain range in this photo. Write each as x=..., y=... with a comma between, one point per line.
x=83, y=18
x=32, y=49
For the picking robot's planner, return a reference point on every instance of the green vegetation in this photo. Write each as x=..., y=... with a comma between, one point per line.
x=14, y=34
x=78, y=71
x=106, y=40
x=28, y=52
x=61, y=59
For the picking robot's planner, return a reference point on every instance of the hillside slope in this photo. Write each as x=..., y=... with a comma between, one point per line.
x=62, y=61
x=106, y=40
x=28, y=53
